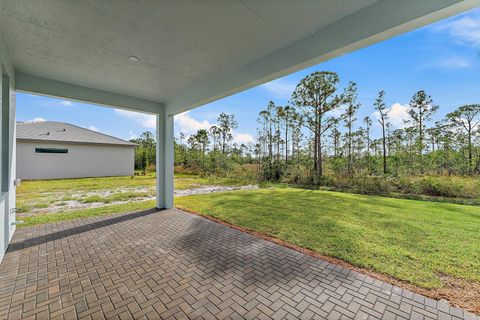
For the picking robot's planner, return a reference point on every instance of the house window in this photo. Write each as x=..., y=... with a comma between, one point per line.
x=51, y=150
x=5, y=131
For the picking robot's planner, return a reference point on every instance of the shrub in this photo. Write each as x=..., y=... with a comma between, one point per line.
x=418, y=186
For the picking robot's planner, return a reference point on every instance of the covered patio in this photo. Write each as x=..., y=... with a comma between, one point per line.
x=165, y=58
x=170, y=264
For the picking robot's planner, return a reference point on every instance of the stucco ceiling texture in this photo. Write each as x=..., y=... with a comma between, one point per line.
x=190, y=52
x=178, y=43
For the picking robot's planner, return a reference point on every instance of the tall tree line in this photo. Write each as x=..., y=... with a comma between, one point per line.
x=319, y=134
x=212, y=150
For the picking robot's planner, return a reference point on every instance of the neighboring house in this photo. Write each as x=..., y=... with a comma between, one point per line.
x=52, y=150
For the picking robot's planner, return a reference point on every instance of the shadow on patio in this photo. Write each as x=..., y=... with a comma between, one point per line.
x=80, y=228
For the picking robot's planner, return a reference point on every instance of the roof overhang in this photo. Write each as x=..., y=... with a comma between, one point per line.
x=42, y=86
x=191, y=52
x=45, y=142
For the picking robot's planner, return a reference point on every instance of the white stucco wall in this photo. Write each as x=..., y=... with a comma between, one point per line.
x=7, y=152
x=82, y=160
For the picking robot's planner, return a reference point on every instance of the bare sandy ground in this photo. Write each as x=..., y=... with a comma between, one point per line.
x=77, y=202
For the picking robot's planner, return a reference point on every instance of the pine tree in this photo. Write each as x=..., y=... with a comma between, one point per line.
x=382, y=112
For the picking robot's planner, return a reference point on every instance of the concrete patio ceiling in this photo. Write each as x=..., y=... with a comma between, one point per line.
x=190, y=52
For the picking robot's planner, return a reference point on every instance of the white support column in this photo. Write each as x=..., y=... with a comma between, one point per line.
x=164, y=165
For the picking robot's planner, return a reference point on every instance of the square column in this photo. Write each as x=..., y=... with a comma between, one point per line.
x=165, y=163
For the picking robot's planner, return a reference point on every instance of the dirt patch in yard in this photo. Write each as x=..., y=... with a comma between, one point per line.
x=466, y=294
x=64, y=201
x=211, y=189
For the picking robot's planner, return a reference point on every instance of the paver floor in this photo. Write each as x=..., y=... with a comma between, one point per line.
x=171, y=264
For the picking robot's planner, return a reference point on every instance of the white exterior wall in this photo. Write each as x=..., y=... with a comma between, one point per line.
x=82, y=160
x=7, y=153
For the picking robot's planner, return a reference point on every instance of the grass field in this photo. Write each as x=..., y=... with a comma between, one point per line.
x=416, y=241
x=86, y=213
x=35, y=195
x=182, y=181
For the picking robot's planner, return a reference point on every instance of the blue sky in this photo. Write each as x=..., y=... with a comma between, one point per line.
x=443, y=59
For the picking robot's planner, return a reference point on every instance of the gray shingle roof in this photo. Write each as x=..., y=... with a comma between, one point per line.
x=64, y=132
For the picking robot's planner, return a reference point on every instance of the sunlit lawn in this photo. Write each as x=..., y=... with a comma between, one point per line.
x=86, y=213
x=35, y=194
x=415, y=241
x=182, y=181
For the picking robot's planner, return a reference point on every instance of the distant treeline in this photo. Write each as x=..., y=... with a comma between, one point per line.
x=318, y=137
x=335, y=142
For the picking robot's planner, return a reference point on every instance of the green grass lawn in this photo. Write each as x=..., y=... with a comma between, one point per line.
x=182, y=181
x=84, y=184
x=38, y=194
x=86, y=213
x=414, y=241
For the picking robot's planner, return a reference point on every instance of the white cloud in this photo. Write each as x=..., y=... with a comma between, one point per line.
x=336, y=113
x=465, y=29
x=93, y=128
x=279, y=88
x=397, y=115
x=146, y=120
x=188, y=125
x=455, y=63
x=183, y=123
x=66, y=103
x=38, y=119
x=449, y=63
x=242, y=138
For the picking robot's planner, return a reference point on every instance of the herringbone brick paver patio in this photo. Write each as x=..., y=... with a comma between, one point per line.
x=171, y=264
